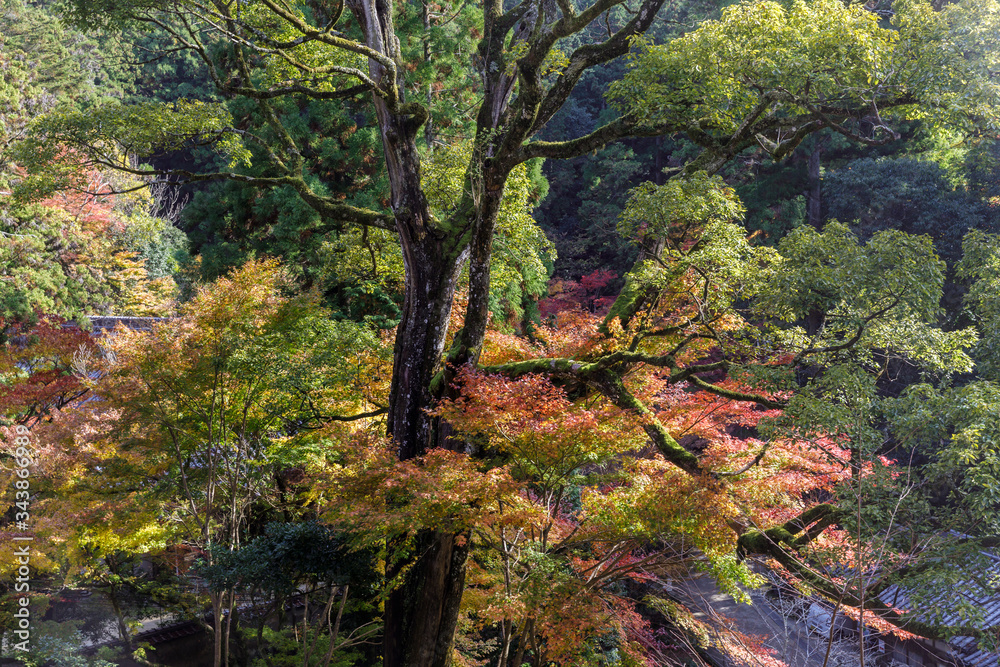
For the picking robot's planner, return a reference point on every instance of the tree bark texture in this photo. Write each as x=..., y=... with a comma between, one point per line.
x=421, y=615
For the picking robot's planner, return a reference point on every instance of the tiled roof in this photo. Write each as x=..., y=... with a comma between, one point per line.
x=966, y=592
x=105, y=323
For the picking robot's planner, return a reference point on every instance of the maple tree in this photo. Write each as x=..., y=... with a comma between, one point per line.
x=80, y=252
x=198, y=424
x=748, y=461
x=584, y=522
x=557, y=503
x=37, y=380
x=787, y=71
x=37, y=368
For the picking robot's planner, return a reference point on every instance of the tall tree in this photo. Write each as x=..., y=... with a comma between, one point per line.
x=765, y=74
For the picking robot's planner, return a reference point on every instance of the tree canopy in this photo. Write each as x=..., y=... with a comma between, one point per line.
x=500, y=467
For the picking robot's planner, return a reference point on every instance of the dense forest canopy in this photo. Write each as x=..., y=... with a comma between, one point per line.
x=475, y=323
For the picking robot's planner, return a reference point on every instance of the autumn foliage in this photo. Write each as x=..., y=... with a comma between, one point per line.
x=584, y=466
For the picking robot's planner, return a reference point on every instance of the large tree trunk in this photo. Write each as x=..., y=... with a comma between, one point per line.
x=421, y=615
x=431, y=277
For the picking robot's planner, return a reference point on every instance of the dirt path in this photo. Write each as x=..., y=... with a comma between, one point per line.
x=789, y=642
